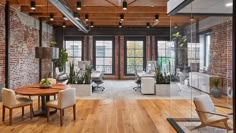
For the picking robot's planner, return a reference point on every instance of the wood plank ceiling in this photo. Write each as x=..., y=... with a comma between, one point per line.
x=105, y=13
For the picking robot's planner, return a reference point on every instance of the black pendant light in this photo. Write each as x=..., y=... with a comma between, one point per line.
x=51, y=16
x=122, y=17
x=148, y=25
x=156, y=18
x=91, y=25
x=32, y=5
x=65, y=18
x=120, y=25
x=64, y=25
x=76, y=16
x=86, y=17
x=78, y=7
x=124, y=5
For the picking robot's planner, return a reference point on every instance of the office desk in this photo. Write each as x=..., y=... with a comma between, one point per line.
x=147, y=82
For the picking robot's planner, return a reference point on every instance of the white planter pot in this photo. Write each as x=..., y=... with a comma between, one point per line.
x=82, y=89
x=163, y=89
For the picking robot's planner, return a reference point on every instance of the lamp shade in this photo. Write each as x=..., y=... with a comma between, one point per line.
x=46, y=52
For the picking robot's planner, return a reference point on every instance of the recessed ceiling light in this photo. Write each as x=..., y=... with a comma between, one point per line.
x=229, y=4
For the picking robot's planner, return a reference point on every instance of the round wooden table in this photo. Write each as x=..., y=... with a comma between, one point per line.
x=36, y=90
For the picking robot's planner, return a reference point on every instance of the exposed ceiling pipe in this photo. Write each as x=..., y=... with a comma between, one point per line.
x=67, y=12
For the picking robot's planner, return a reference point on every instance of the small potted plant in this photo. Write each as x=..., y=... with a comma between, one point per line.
x=45, y=83
x=216, y=91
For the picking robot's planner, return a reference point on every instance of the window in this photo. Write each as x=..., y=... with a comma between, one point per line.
x=74, y=50
x=135, y=55
x=104, y=56
x=205, y=41
x=165, y=55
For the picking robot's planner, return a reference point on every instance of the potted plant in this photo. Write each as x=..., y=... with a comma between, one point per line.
x=216, y=91
x=162, y=83
x=80, y=80
x=61, y=61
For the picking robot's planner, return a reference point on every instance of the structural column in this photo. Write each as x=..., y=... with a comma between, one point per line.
x=7, y=41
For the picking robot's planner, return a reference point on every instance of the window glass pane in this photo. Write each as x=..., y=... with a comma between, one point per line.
x=138, y=53
x=104, y=56
x=134, y=56
x=74, y=50
x=130, y=53
x=108, y=61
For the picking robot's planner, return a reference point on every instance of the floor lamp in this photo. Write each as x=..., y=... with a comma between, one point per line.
x=47, y=53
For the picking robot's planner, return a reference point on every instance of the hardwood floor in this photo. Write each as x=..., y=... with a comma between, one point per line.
x=106, y=116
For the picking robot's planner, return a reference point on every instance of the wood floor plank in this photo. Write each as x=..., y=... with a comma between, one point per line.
x=107, y=116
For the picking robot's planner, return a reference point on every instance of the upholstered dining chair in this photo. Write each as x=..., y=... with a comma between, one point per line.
x=10, y=101
x=66, y=99
x=207, y=113
x=52, y=81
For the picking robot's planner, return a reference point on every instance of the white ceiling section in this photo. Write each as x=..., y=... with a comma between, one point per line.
x=206, y=7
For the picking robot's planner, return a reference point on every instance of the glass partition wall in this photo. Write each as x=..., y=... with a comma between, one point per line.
x=201, y=64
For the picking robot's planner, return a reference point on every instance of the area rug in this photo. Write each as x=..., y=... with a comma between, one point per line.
x=185, y=125
x=123, y=89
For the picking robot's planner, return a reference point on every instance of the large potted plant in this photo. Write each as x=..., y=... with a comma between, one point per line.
x=216, y=91
x=80, y=80
x=162, y=83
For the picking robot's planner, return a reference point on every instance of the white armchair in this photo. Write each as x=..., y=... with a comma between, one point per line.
x=66, y=99
x=207, y=113
x=10, y=101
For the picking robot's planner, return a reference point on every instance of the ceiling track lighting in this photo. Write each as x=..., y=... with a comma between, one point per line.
x=156, y=18
x=120, y=25
x=91, y=25
x=76, y=16
x=86, y=17
x=148, y=25
x=125, y=5
x=64, y=25
x=122, y=17
x=78, y=6
x=51, y=16
x=32, y=5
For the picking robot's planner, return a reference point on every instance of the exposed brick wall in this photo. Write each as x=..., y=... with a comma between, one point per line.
x=148, y=48
x=154, y=48
x=24, y=37
x=221, y=52
x=23, y=65
x=85, y=47
x=2, y=44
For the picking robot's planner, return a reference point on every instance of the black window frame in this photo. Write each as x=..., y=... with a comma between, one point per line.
x=104, y=38
x=134, y=38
